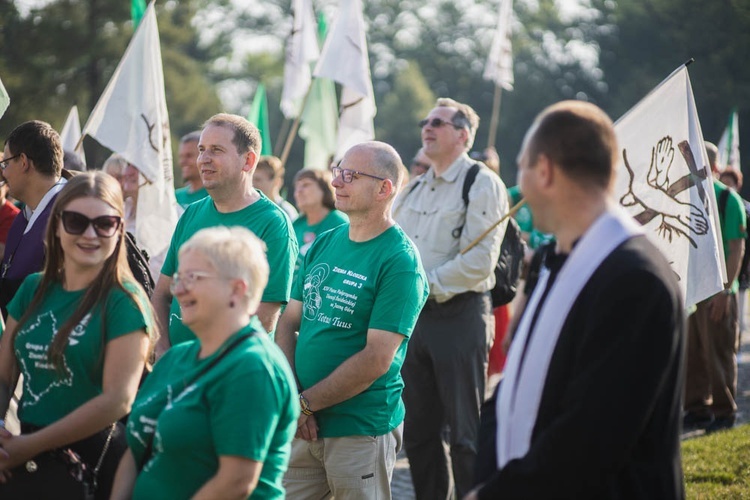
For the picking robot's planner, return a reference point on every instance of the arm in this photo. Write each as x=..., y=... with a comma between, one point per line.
x=719, y=305
x=286, y=331
x=162, y=300
x=353, y=376
x=268, y=314
x=488, y=202
x=236, y=478
x=122, y=489
x=124, y=359
x=8, y=367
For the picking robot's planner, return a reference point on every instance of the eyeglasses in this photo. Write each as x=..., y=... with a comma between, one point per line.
x=105, y=226
x=4, y=163
x=437, y=123
x=349, y=175
x=189, y=279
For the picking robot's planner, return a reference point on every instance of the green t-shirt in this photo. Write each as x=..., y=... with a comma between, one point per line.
x=48, y=395
x=347, y=288
x=733, y=221
x=244, y=406
x=185, y=197
x=306, y=233
x=266, y=220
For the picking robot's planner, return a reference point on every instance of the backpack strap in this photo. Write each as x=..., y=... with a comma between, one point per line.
x=723, y=198
x=471, y=176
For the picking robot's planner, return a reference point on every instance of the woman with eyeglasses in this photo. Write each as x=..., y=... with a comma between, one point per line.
x=80, y=333
x=316, y=201
x=216, y=417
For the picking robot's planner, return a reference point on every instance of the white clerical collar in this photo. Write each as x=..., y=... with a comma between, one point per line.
x=33, y=215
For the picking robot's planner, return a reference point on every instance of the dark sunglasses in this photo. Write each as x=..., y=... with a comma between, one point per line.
x=105, y=226
x=437, y=123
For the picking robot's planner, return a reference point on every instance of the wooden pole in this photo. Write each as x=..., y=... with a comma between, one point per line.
x=510, y=213
x=295, y=127
x=495, y=117
x=282, y=132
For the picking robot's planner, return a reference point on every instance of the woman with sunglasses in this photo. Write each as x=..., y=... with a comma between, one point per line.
x=80, y=333
x=216, y=417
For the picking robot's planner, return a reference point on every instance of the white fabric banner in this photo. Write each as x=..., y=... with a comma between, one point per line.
x=4, y=99
x=344, y=59
x=131, y=119
x=71, y=134
x=499, y=67
x=729, y=144
x=301, y=52
x=665, y=183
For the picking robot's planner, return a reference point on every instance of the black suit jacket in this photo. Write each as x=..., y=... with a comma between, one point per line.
x=609, y=418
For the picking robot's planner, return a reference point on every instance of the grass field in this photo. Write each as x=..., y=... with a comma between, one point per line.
x=718, y=465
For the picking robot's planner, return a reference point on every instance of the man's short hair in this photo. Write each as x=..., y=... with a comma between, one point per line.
x=41, y=144
x=194, y=136
x=246, y=135
x=465, y=117
x=386, y=162
x=578, y=137
x=712, y=152
x=272, y=166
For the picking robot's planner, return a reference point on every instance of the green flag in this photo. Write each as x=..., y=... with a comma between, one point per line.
x=4, y=99
x=319, y=123
x=259, y=117
x=137, y=9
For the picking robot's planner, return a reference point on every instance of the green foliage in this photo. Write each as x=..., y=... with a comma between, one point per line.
x=718, y=465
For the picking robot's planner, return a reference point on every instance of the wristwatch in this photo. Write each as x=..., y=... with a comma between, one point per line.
x=304, y=405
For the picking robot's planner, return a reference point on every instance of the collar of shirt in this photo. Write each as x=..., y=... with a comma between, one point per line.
x=33, y=215
x=455, y=169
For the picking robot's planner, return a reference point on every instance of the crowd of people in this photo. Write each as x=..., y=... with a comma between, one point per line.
x=285, y=354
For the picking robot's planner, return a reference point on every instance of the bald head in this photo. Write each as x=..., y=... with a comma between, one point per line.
x=383, y=159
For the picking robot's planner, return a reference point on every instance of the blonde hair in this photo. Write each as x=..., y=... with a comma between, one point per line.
x=235, y=252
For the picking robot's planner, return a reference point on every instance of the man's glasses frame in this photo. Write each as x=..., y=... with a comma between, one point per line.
x=75, y=223
x=348, y=175
x=4, y=162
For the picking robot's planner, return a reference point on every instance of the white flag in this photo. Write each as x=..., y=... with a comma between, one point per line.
x=664, y=181
x=729, y=145
x=344, y=59
x=131, y=119
x=301, y=52
x=71, y=135
x=499, y=67
x=4, y=99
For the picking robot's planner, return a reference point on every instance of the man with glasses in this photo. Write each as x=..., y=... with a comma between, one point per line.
x=32, y=167
x=229, y=149
x=420, y=164
x=354, y=303
x=445, y=368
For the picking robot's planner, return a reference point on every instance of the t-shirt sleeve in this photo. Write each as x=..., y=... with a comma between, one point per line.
x=281, y=254
x=244, y=424
x=735, y=224
x=21, y=300
x=402, y=291
x=170, y=261
x=124, y=314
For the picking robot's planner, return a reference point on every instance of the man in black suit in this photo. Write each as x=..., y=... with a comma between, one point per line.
x=590, y=403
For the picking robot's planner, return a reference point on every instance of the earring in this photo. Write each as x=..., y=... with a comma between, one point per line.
x=231, y=304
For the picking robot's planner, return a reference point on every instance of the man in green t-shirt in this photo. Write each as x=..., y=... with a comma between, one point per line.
x=229, y=148
x=354, y=302
x=713, y=329
x=187, y=157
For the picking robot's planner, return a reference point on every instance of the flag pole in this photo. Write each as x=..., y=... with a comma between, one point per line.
x=495, y=117
x=510, y=213
x=282, y=132
x=295, y=127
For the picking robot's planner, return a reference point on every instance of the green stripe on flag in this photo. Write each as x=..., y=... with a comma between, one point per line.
x=258, y=116
x=137, y=9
